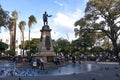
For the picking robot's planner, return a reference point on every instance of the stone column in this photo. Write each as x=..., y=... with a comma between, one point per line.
x=46, y=50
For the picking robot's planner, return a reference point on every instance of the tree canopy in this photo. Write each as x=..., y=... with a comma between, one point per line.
x=62, y=45
x=3, y=17
x=34, y=45
x=102, y=16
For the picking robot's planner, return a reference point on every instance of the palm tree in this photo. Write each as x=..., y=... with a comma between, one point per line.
x=12, y=28
x=15, y=17
x=22, y=28
x=31, y=21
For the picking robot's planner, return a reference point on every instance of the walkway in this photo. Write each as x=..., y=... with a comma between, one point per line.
x=103, y=71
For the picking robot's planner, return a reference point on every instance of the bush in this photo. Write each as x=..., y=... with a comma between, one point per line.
x=10, y=52
x=3, y=46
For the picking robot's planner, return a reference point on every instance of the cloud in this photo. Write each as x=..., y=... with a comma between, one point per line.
x=64, y=24
x=63, y=20
x=62, y=27
x=60, y=4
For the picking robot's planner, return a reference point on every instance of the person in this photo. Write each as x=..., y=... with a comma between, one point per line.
x=38, y=63
x=34, y=63
x=41, y=64
x=79, y=59
x=73, y=59
x=55, y=60
x=45, y=18
x=119, y=61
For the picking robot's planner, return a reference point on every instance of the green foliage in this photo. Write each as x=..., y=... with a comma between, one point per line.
x=83, y=42
x=107, y=43
x=102, y=16
x=10, y=52
x=22, y=25
x=3, y=17
x=3, y=46
x=33, y=47
x=15, y=15
x=62, y=45
x=97, y=49
x=26, y=44
x=31, y=21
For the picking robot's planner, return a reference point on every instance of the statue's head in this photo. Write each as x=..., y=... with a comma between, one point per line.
x=45, y=12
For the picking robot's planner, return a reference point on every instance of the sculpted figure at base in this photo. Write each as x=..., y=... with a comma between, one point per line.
x=45, y=18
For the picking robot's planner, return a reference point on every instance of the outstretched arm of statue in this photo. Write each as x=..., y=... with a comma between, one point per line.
x=50, y=16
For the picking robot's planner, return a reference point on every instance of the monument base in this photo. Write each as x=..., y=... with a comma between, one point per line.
x=47, y=56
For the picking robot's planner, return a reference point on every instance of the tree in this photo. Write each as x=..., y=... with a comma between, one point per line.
x=31, y=21
x=97, y=49
x=26, y=45
x=102, y=16
x=11, y=31
x=3, y=17
x=22, y=27
x=76, y=46
x=34, y=45
x=12, y=28
x=107, y=43
x=10, y=52
x=84, y=42
x=119, y=47
x=15, y=17
x=62, y=45
x=3, y=46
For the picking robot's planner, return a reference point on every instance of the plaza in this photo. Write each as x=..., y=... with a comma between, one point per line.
x=84, y=71
x=60, y=40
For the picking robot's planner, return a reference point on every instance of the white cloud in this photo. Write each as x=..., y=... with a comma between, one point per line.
x=64, y=24
x=63, y=20
x=62, y=27
x=60, y=4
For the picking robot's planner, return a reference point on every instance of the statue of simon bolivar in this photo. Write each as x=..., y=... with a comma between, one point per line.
x=45, y=18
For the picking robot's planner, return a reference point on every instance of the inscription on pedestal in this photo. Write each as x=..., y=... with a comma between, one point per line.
x=47, y=42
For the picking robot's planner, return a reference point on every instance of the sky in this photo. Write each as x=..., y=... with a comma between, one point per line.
x=64, y=14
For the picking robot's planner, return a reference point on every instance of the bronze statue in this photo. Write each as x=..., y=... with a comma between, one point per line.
x=45, y=18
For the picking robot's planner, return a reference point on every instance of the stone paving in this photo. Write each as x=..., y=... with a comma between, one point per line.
x=104, y=71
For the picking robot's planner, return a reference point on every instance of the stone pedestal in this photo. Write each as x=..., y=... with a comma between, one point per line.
x=45, y=49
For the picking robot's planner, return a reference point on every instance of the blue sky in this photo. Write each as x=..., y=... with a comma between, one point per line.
x=64, y=14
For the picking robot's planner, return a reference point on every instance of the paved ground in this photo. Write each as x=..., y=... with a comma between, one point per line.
x=106, y=71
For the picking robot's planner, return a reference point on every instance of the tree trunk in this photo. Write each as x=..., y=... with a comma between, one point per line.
x=14, y=36
x=23, y=43
x=115, y=47
x=11, y=40
x=29, y=41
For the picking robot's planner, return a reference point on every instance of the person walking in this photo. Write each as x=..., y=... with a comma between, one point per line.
x=73, y=59
x=41, y=64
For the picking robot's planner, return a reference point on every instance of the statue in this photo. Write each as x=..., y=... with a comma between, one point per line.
x=45, y=18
